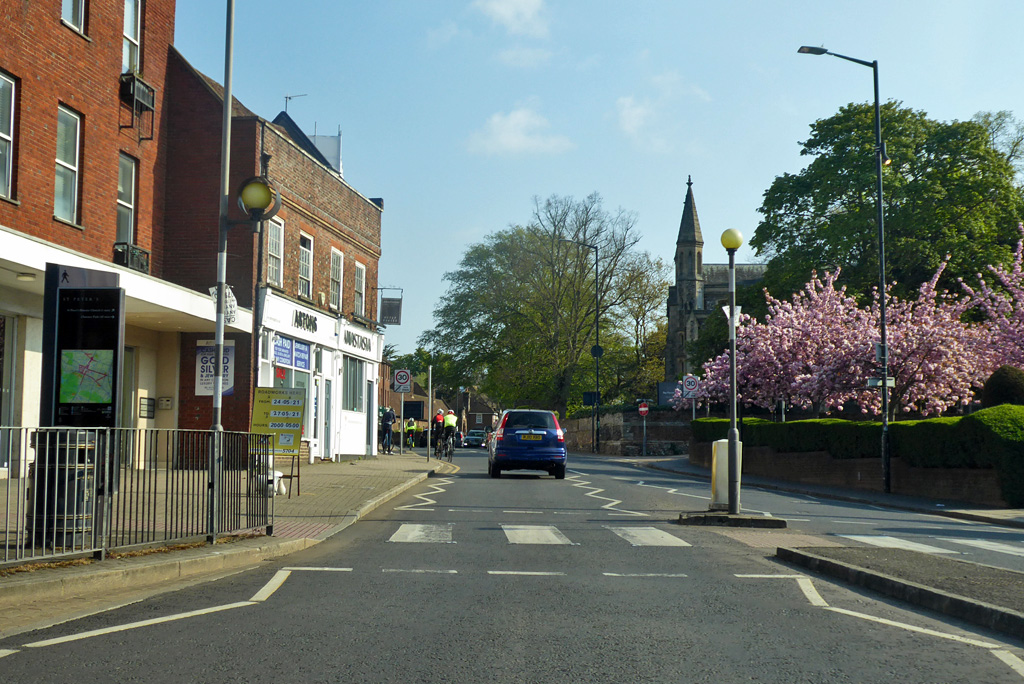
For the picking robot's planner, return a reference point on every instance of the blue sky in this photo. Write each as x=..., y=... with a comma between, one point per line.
x=459, y=112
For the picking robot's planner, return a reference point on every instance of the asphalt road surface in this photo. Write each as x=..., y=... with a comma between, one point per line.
x=468, y=579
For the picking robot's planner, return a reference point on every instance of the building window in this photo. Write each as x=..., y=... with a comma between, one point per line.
x=6, y=136
x=65, y=189
x=305, y=266
x=73, y=14
x=359, y=305
x=337, y=259
x=353, y=382
x=132, y=37
x=126, y=200
x=275, y=252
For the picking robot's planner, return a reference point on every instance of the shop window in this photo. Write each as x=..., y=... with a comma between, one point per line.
x=354, y=381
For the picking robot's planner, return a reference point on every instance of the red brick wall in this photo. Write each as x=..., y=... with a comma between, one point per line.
x=963, y=484
x=53, y=64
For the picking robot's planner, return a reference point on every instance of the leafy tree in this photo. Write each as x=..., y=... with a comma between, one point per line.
x=520, y=309
x=950, y=189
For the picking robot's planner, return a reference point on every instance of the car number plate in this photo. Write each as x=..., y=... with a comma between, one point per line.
x=532, y=438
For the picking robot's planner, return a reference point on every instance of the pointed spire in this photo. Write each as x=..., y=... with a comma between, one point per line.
x=689, y=226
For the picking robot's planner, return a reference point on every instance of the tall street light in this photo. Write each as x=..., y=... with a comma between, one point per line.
x=882, y=352
x=732, y=240
x=596, y=351
x=260, y=201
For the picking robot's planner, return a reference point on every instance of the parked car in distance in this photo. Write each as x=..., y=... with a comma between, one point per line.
x=527, y=439
x=475, y=438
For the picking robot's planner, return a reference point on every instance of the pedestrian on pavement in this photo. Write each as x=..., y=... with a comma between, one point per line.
x=386, y=422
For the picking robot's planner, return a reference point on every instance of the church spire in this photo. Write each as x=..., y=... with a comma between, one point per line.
x=689, y=226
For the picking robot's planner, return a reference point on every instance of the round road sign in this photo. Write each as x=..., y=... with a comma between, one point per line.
x=690, y=383
x=402, y=377
x=643, y=408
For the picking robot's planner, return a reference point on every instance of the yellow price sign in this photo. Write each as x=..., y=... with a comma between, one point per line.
x=280, y=412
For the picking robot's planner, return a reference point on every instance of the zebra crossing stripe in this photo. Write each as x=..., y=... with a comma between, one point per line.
x=428, y=534
x=988, y=545
x=647, y=536
x=534, y=534
x=896, y=543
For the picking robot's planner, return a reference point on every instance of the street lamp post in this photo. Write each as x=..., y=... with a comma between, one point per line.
x=732, y=239
x=596, y=351
x=258, y=198
x=883, y=349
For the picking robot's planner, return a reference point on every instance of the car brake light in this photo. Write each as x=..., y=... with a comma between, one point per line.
x=558, y=430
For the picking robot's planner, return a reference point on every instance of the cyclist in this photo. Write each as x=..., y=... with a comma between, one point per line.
x=450, y=423
x=437, y=427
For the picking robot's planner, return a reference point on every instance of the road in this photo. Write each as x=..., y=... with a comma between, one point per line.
x=469, y=579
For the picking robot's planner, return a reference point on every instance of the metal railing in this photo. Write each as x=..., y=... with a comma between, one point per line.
x=75, y=491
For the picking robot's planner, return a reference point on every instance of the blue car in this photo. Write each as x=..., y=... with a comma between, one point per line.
x=527, y=439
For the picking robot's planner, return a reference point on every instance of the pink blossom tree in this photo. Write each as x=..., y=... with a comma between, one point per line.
x=1004, y=307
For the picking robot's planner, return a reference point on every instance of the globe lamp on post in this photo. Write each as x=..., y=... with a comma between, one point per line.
x=732, y=240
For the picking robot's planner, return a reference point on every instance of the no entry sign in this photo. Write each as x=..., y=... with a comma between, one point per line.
x=643, y=408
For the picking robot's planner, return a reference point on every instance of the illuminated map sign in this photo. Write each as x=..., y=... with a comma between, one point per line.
x=88, y=356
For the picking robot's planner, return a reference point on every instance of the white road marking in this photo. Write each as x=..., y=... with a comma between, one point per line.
x=273, y=585
x=647, y=536
x=673, y=490
x=594, y=491
x=534, y=534
x=896, y=543
x=1015, y=663
x=4, y=652
x=423, y=534
x=644, y=574
x=914, y=628
x=322, y=569
x=526, y=512
x=770, y=576
x=422, y=572
x=988, y=545
x=425, y=499
x=810, y=592
x=807, y=586
x=135, y=625
x=854, y=522
x=525, y=573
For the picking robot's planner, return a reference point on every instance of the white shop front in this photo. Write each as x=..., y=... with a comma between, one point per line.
x=335, y=362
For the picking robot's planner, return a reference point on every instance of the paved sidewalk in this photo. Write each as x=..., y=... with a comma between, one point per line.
x=332, y=497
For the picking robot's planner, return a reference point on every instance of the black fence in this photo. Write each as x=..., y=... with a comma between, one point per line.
x=79, y=491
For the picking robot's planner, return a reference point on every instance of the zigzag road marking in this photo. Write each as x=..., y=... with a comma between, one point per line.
x=594, y=491
x=425, y=499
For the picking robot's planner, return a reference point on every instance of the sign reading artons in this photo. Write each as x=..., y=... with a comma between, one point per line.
x=280, y=412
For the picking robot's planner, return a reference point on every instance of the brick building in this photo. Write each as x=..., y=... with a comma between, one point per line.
x=109, y=161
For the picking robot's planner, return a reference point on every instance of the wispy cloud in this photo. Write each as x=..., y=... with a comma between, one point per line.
x=442, y=35
x=525, y=58
x=652, y=121
x=521, y=131
x=519, y=17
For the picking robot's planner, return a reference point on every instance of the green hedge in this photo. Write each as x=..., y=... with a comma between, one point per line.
x=991, y=438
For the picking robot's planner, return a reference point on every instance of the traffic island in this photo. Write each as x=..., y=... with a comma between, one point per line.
x=726, y=519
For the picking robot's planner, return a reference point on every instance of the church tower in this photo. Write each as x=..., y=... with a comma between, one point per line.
x=686, y=297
